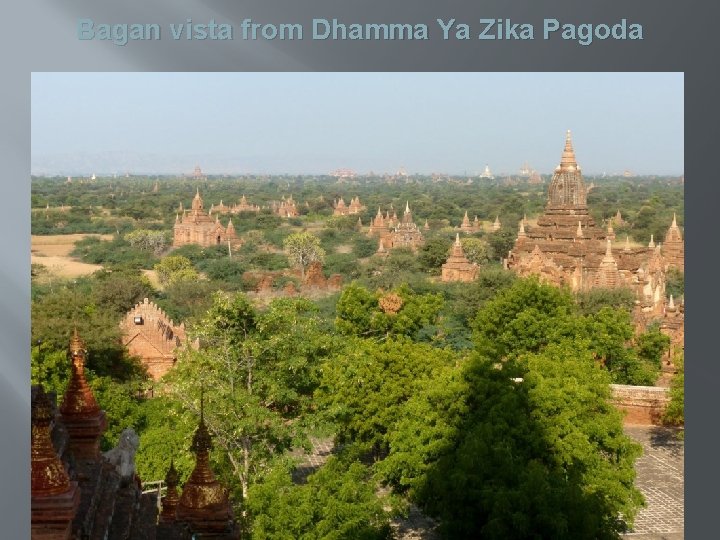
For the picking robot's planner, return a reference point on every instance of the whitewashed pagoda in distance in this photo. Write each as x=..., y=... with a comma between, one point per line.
x=486, y=174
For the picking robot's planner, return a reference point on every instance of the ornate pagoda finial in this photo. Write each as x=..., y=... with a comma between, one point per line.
x=202, y=442
x=407, y=207
x=579, y=231
x=172, y=498
x=77, y=345
x=608, y=249
x=674, y=221
x=568, y=156
x=48, y=476
x=204, y=503
x=457, y=239
x=79, y=398
x=652, y=242
x=80, y=411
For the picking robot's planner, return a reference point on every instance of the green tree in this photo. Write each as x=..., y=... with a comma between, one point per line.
x=434, y=253
x=524, y=317
x=400, y=311
x=364, y=388
x=260, y=369
x=675, y=412
x=148, y=240
x=338, y=502
x=541, y=454
x=174, y=269
x=501, y=242
x=476, y=250
x=675, y=285
x=427, y=427
x=303, y=249
x=120, y=290
x=592, y=301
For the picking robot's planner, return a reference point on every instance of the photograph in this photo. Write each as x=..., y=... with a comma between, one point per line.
x=357, y=305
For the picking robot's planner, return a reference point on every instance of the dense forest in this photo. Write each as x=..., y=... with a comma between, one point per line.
x=486, y=404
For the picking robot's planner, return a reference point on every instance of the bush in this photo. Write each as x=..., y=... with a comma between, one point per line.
x=225, y=269
x=364, y=246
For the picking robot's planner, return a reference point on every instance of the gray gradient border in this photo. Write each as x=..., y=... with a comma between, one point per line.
x=40, y=36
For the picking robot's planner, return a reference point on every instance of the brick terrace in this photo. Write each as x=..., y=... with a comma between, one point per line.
x=660, y=477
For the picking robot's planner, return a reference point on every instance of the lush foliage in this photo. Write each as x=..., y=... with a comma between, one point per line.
x=259, y=369
x=542, y=455
x=303, y=249
x=675, y=412
x=484, y=403
x=398, y=312
x=364, y=388
x=337, y=503
x=174, y=269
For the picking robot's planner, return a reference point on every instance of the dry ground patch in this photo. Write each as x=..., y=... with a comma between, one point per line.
x=53, y=252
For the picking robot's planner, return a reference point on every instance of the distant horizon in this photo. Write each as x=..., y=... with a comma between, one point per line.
x=314, y=123
x=358, y=174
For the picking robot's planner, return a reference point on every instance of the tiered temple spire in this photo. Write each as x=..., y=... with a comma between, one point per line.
x=172, y=498
x=568, y=161
x=457, y=267
x=204, y=504
x=80, y=412
x=55, y=499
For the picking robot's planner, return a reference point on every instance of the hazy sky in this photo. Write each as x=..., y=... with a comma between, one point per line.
x=315, y=122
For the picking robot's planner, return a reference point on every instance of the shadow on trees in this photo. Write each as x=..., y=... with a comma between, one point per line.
x=506, y=475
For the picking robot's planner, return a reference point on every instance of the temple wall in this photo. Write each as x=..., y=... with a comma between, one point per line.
x=643, y=405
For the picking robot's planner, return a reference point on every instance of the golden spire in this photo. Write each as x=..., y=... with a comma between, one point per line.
x=48, y=476
x=202, y=442
x=568, y=156
x=78, y=399
x=172, y=498
x=204, y=502
x=77, y=345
